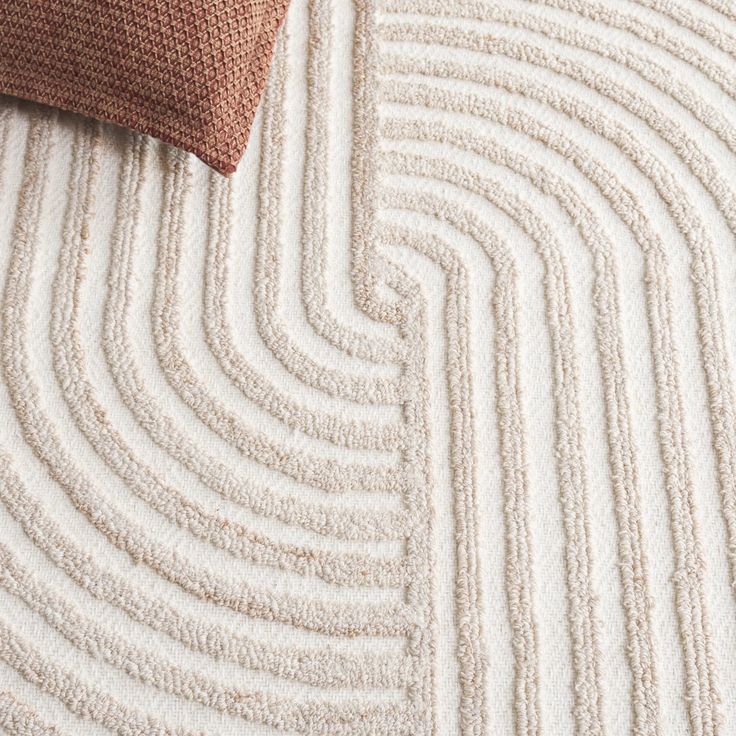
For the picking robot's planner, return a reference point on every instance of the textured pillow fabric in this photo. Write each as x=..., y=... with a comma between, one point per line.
x=189, y=72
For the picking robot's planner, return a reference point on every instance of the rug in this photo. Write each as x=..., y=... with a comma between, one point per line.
x=423, y=422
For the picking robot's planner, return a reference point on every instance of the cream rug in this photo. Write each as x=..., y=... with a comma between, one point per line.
x=422, y=423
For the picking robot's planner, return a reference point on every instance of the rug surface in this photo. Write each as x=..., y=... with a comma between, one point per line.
x=421, y=423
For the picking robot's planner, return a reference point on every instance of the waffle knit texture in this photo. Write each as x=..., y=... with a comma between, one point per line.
x=189, y=72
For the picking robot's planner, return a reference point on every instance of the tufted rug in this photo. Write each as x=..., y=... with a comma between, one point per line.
x=422, y=423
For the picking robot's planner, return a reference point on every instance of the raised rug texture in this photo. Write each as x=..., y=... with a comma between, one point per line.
x=421, y=424
x=189, y=72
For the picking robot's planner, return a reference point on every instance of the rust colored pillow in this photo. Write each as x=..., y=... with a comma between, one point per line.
x=189, y=72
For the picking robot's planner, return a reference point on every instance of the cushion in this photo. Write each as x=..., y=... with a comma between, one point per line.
x=189, y=72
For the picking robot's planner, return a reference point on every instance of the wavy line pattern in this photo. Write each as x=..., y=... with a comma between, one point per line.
x=423, y=423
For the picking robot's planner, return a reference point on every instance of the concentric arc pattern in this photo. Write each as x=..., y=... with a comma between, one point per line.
x=423, y=423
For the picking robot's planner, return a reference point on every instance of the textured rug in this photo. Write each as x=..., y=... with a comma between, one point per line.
x=421, y=423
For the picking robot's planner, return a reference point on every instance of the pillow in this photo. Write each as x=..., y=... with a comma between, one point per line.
x=189, y=72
